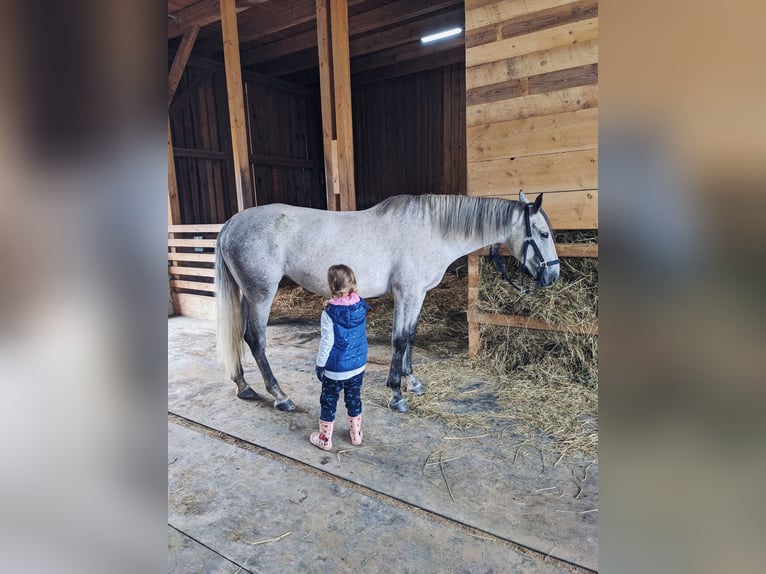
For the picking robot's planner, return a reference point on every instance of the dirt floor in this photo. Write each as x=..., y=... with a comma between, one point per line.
x=247, y=492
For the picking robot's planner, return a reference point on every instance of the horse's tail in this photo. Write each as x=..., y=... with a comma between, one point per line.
x=229, y=330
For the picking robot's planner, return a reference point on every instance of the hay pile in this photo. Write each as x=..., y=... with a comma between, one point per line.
x=538, y=385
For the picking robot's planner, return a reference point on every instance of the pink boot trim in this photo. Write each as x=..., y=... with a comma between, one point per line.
x=355, y=430
x=323, y=438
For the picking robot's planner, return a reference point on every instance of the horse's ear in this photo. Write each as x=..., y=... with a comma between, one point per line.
x=538, y=201
x=523, y=198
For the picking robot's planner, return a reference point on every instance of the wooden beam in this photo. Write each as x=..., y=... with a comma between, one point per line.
x=335, y=87
x=196, y=228
x=475, y=316
x=474, y=333
x=562, y=250
x=174, y=209
x=197, y=257
x=200, y=154
x=435, y=60
x=403, y=53
x=179, y=61
x=201, y=14
x=240, y=151
x=363, y=43
x=266, y=20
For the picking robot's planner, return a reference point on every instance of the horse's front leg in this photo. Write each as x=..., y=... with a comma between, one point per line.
x=255, y=336
x=406, y=311
x=413, y=384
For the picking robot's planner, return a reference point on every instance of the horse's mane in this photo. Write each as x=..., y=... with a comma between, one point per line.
x=454, y=215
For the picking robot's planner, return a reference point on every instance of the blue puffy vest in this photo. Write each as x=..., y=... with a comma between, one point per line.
x=349, y=350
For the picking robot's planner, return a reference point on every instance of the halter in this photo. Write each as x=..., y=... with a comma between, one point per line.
x=528, y=240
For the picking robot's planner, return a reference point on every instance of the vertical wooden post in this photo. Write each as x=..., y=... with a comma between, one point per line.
x=240, y=150
x=473, y=296
x=174, y=209
x=335, y=85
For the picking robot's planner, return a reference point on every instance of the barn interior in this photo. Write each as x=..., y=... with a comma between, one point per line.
x=407, y=102
x=337, y=105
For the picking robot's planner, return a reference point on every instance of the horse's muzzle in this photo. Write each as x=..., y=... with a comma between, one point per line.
x=547, y=276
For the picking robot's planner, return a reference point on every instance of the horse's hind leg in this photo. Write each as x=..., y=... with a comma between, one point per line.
x=255, y=336
x=244, y=390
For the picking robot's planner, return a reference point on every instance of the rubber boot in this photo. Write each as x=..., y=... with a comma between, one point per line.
x=323, y=438
x=355, y=429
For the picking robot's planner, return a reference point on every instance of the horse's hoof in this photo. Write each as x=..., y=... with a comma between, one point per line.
x=399, y=406
x=284, y=405
x=416, y=389
x=248, y=395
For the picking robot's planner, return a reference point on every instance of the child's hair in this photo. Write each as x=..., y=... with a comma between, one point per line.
x=341, y=280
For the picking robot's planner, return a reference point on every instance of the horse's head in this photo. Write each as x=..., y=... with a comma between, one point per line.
x=532, y=242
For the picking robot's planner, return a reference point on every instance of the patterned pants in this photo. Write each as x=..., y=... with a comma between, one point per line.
x=352, y=396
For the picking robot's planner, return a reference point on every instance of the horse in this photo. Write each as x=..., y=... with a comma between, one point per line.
x=403, y=246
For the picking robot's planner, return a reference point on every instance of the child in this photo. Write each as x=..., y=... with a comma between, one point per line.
x=342, y=356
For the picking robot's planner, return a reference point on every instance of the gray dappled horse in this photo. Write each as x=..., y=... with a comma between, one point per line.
x=401, y=246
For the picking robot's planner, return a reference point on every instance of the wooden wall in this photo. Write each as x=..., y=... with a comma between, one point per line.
x=409, y=135
x=532, y=104
x=202, y=147
x=286, y=142
x=284, y=126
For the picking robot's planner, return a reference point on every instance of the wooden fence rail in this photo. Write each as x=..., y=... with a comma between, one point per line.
x=191, y=257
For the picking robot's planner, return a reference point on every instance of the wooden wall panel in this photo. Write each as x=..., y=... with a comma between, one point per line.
x=409, y=135
x=285, y=144
x=532, y=104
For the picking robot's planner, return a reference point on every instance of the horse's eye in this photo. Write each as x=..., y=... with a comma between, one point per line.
x=545, y=235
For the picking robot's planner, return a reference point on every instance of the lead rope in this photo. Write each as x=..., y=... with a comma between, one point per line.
x=494, y=254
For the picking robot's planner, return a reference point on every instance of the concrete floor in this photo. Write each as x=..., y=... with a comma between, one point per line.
x=248, y=493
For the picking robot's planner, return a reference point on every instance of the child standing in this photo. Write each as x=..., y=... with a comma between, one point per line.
x=342, y=356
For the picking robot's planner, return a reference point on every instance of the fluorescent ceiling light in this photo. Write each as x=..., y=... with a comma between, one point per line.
x=441, y=35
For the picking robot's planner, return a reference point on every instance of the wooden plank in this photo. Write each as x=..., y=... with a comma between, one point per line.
x=197, y=306
x=566, y=100
x=566, y=209
x=533, y=22
x=327, y=96
x=589, y=250
x=199, y=257
x=395, y=12
x=566, y=171
x=182, y=99
x=200, y=153
x=403, y=53
x=403, y=68
x=335, y=86
x=172, y=242
x=193, y=285
x=495, y=12
x=196, y=228
x=286, y=161
x=343, y=116
x=566, y=131
x=474, y=340
x=179, y=61
x=192, y=271
x=550, y=60
x=475, y=316
x=246, y=193
x=197, y=14
x=174, y=209
x=201, y=14
x=572, y=33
